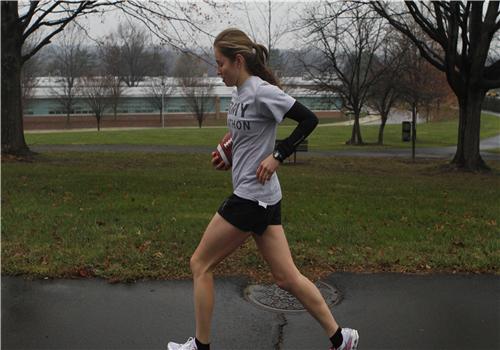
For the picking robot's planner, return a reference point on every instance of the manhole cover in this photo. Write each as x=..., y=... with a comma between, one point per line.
x=274, y=298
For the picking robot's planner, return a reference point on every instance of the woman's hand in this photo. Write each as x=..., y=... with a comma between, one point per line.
x=218, y=163
x=267, y=168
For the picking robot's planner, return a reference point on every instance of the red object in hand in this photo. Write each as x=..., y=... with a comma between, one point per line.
x=224, y=152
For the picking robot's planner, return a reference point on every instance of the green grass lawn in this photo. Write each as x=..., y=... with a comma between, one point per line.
x=128, y=216
x=440, y=134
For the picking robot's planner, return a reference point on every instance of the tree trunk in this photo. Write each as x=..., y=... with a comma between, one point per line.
x=414, y=113
x=13, y=141
x=356, y=138
x=98, y=122
x=467, y=156
x=381, y=129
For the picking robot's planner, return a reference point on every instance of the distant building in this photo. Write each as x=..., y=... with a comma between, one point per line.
x=137, y=100
x=137, y=103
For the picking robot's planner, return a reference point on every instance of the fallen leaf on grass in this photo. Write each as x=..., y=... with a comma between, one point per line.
x=459, y=244
x=491, y=223
x=85, y=271
x=144, y=246
x=439, y=227
x=158, y=255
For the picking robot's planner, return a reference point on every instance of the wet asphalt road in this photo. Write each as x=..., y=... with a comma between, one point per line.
x=391, y=311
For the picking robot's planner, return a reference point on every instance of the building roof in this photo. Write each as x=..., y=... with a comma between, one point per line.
x=49, y=87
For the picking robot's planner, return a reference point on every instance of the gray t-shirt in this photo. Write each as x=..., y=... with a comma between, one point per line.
x=256, y=109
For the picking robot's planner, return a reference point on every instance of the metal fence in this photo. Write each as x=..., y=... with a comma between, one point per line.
x=491, y=104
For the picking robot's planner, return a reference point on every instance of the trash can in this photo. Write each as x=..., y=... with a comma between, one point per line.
x=406, y=131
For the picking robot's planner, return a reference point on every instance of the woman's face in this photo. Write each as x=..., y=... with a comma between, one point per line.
x=229, y=71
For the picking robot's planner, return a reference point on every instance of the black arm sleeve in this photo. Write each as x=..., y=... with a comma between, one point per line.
x=307, y=122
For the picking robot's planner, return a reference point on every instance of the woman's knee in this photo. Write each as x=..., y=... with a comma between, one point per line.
x=198, y=266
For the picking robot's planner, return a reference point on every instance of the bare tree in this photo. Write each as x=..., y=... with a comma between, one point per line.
x=413, y=87
x=19, y=21
x=386, y=91
x=28, y=83
x=30, y=72
x=110, y=63
x=160, y=61
x=438, y=91
x=160, y=87
x=133, y=43
x=269, y=28
x=418, y=87
x=110, y=56
x=96, y=91
x=18, y=24
x=463, y=32
x=192, y=77
x=115, y=93
x=159, y=93
x=180, y=25
x=348, y=37
x=70, y=61
x=129, y=54
x=197, y=91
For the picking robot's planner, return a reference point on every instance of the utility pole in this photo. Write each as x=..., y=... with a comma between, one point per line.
x=162, y=103
x=413, y=130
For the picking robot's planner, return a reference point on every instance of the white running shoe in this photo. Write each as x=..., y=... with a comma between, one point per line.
x=351, y=339
x=189, y=345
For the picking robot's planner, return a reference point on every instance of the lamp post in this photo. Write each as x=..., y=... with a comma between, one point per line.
x=413, y=130
x=410, y=129
x=162, y=104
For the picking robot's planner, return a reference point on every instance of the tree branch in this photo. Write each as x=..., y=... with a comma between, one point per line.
x=434, y=58
x=26, y=19
x=464, y=60
x=439, y=18
x=491, y=76
x=143, y=14
x=36, y=25
x=427, y=26
x=490, y=84
x=84, y=7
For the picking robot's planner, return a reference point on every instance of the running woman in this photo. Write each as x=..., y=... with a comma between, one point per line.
x=257, y=106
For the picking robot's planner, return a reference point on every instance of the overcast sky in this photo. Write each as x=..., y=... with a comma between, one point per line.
x=285, y=14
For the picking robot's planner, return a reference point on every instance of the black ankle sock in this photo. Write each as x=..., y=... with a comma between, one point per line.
x=337, y=338
x=201, y=346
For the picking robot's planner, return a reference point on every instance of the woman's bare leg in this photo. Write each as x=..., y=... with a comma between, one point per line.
x=219, y=240
x=273, y=246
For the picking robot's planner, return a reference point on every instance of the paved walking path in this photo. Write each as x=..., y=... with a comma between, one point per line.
x=443, y=152
x=391, y=311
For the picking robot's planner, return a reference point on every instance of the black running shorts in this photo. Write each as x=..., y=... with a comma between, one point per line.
x=248, y=215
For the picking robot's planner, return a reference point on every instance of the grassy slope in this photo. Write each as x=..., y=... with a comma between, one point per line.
x=128, y=216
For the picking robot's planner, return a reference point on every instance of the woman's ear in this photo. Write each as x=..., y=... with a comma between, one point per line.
x=239, y=60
